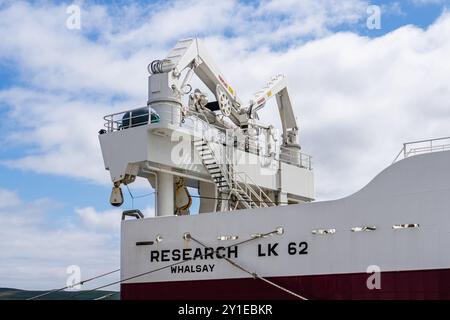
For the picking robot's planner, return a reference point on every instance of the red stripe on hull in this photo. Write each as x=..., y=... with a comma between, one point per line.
x=415, y=285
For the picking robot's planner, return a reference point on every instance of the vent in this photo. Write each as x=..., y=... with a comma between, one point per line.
x=406, y=226
x=363, y=228
x=144, y=243
x=227, y=237
x=323, y=231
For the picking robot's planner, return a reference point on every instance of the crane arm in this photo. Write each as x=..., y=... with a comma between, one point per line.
x=277, y=87
x=190, y=53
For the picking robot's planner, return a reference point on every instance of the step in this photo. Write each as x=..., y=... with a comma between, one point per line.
x=207, y=150
x=216, y=175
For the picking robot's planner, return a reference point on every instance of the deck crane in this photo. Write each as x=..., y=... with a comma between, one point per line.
x=190, y=54
x=166, y=81
x=277, y=86
x=230, y=184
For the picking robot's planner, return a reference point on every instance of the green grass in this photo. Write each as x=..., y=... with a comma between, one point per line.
x=17, y=294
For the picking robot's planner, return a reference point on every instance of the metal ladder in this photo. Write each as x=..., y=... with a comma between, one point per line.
x=236, y=187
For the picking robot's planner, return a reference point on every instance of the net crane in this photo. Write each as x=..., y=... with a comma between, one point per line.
x=235, y=161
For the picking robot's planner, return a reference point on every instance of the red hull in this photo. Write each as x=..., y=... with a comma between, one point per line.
x=417, y=285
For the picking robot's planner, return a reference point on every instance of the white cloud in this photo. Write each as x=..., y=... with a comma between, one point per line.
x=8, y=199
x=428, y=2
x=357, y=98
x=36, y=247
x=61, y=132
x=108, y=220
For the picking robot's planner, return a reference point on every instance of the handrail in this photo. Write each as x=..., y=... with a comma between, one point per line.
x=427, y=140
x=114, y=122
x=262, y=195
x=408, y=148
x=291, y=156
x=225, y=173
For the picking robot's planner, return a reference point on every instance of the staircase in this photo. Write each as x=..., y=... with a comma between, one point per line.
x=212, y=165
x=236, y=189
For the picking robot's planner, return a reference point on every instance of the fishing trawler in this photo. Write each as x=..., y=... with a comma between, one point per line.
x=258, y=233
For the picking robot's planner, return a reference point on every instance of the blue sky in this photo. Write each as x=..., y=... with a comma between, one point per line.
x=55, y=85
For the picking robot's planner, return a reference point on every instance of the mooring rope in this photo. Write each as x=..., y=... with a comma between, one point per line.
x=73, y=285
x=260, y=236
x=254, y=274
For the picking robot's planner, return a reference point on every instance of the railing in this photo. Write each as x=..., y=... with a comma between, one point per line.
x=198, y=122
x=130, y=118
x=423, y=146
x=262, y=198
x=295, y=157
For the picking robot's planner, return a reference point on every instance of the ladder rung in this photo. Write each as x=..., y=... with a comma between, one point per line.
x=216, y=174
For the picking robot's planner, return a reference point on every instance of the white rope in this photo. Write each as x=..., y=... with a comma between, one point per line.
x=254, y=274
x=187, y=236
x=164, y=267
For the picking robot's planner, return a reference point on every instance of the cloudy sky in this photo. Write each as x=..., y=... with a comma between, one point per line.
x=358, y=93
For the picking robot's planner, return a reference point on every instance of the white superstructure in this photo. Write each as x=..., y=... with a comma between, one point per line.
x=220, y=147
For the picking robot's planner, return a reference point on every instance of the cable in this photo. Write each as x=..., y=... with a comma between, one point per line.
x=254, y=274
x=168, y=266
x=255, y=201
x=106, y=296
x=79, y=283
x=137, y=197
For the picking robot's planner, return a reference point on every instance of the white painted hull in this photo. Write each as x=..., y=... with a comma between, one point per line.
x=412, y=191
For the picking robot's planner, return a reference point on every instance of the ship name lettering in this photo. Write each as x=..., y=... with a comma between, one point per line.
x=193, y=254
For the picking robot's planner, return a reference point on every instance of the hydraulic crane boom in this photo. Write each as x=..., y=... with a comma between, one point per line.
x=277, y=86
x=190, y=54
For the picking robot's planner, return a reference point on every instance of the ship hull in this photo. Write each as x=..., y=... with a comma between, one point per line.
x=399, y=285
x=390, y=240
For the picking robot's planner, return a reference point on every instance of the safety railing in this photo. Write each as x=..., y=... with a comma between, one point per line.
x=295, y=157
x=197, y=123
x=253, y=190
x=423, y=146
x=130, y=118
